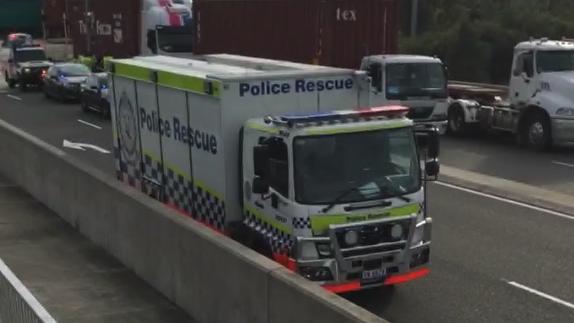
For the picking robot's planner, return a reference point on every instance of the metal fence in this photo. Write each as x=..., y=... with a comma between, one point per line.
x=17, y=304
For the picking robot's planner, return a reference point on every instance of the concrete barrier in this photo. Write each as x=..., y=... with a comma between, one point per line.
x=17, y=304
x=210, y=276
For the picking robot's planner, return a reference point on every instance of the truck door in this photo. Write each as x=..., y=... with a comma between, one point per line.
x=270, y=210
x=374, y=70
x=522, y=83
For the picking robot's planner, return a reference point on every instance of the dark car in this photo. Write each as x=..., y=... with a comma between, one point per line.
x=94, y=94
x=63, y=81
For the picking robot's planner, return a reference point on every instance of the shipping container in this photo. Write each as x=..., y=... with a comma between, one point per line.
x=115, y=27
x=327, y=32
x=20, y=16
x=54, y=18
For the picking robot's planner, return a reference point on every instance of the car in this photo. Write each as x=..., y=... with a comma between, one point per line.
x=94, y=94
x=63, y=81
x=23, y=65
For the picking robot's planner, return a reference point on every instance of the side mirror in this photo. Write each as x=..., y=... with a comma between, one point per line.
x=261, y=160
x=428, y=140
x=432, y=168
x=433, y=148
x=260, y=186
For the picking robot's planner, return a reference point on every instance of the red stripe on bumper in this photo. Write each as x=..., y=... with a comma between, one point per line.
x=343, y=288
x=403, y=278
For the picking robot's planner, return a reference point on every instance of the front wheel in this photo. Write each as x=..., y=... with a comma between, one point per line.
x=456, y=123
x=11, y=82
x=536, y=132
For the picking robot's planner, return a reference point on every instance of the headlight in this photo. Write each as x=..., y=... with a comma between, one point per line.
x=308, y=250
x=351, y=238
x=569, y=112
x=27, y=70
x=397, y=231
x=419, y=230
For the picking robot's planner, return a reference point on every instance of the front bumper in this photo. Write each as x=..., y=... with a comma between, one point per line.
x=398, y=261
x=70, y=93
x=563, y=131
x=34, y=78
x=441, y=125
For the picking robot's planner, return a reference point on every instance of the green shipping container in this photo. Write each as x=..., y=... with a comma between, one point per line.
x=20, y=15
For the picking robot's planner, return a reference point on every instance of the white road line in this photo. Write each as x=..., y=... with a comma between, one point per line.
x=89, y=124
x=513, y=202
x=14, y=97
x=562, y=163
x=541, y=294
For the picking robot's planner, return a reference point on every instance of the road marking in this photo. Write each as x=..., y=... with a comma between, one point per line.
x=541, y=294
x=81, y=146
x=562, y=163
x=17, y=98
x=509, y=201
x=89, y=124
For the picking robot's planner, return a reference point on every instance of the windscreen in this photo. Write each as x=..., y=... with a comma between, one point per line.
x=368, y=165
x=555, y=61
x=74, y=70
x=29, y=55
x=415, y=79
x=175, y=39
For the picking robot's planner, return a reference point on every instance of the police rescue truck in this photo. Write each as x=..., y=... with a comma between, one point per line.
x=282, y=158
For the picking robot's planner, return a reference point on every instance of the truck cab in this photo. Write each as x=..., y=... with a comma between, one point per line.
x=339, y=196
x=166, y=27
x=418, y=82
x=541, y=90
x=539, y=108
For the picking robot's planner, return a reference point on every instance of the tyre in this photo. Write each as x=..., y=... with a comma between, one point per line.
x=456, y=124
x=11, y=82
x=85, y=107
x=536, y=132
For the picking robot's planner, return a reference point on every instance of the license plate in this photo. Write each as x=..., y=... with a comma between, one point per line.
x=373, y=275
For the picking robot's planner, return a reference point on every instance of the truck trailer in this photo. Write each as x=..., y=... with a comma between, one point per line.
x=537, y=107
x=283, y=158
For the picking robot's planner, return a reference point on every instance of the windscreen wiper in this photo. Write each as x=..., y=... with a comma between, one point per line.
x=340, y=197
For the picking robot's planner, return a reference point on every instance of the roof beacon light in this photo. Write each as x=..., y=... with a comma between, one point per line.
x=389, y=112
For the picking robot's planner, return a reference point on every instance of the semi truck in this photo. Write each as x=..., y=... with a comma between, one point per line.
x=284, y=158
x=538, y=105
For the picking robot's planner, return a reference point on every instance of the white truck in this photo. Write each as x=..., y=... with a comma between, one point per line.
x=418, y=82
x=23, y=65
x=166, y=27
x=538, y=105
x=263, y=155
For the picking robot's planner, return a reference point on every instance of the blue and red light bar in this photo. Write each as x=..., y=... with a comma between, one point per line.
x=394, y=111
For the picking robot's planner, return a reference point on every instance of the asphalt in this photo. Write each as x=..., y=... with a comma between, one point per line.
x=479, y=243
x=74, y=280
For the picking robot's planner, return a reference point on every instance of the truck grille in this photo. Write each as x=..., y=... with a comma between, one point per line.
x=420, y=113
x=374, y=234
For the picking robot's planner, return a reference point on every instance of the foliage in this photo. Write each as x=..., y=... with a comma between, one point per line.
x=476, y=37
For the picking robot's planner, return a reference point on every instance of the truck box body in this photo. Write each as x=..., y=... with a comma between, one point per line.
x=185, y=127
x=333, y=33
